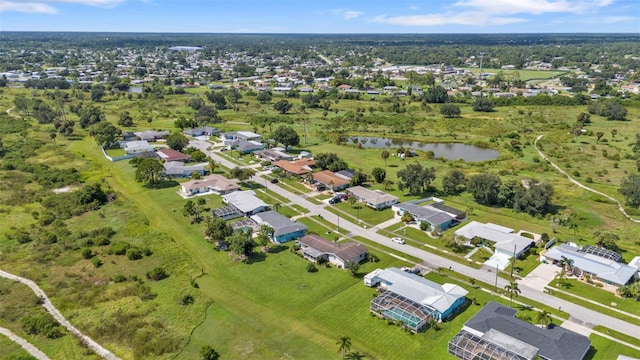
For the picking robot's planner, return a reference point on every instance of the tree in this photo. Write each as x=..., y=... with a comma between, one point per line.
x=241, y=243
x=353, y=268
x=330, y=161
x=206, y=114
x=509, y=191
x=450, y=110
x=436, y=95
x=543, y=318
x=177, y=141
x=217, y=99
x=97, y=92
x=193, y=209
x=286, y=136
x=561, y=274
x=217, y=229
x=355, y=355
x=358, y=178
x=416, y=178
x=453, y=182
x=483, y=104
x=125, y=119
x=282, y=106
x=614, y=132
x=208, y=353
x=378, y=174
x=105, y=133
x=345, y=345
x=149, y=171
x=264, y=97
x=536, y=200
x=65, y=127
x=607, y=240
x=583, y=118
x=612, y=109
x=385, y=155
x=630, y=189
x=513, y=290
x=599, y=136
x=484, y=188
x=53, y=135
x=44, y=114
x=91, y=115
x=241, y=174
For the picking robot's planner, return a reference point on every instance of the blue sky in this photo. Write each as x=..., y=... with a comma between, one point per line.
x=322, y=16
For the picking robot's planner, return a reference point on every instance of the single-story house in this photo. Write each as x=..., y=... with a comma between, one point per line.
x=330, y=180
x=151, y=135
x=438, y=216
x=240, y=135
x=137, y=147
x=495, y=333
x=248, y=146
x=599, y=268
x=297, y=167
x=210, y=183
x=412, y=299
x=245, y=201
x=167, y=154
x=273, y=155
x=346, y=174
x=375, y=199
x=128, y=136
x=316, y=248
x=284, y=229
x=205, y=130
x=178, y=169
x=503, y=238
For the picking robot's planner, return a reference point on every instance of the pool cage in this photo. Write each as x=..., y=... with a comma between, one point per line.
x=467, y=346
x=415, y=316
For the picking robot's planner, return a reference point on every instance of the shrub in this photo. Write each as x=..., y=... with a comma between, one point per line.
x=187, y=300
x=134, y=253
x=311, y=268
x=119, y=278
x=86, y=253
x=157, y=274
x=119, y=248
x=96, y=262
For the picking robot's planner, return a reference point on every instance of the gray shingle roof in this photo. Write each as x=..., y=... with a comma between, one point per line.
x=554, y=342
x=281, y=224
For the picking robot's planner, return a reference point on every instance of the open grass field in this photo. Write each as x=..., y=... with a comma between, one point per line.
x=271, y=307
x=524, y=75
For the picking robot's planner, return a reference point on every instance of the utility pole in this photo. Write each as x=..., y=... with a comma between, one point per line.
x=496, y=286
x=481, y=57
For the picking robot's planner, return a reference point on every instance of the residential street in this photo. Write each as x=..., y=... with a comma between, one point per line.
x=578, y=313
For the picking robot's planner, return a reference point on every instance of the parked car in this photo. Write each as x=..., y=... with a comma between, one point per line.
x=332, y=201
x=398, y=240
x=274, y=181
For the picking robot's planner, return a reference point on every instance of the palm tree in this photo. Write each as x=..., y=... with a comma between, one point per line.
x=385, y=155
x=566, y=263
x=355, y=356
x=543, y=318
x=345, y=345
x=512, y=289
x=352, y=201
x=561, y=275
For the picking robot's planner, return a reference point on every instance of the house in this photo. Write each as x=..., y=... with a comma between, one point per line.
x=245, y=202
x=167, y=154
x=137, y=147
x=248, y=146
x=273, y=155
x=178, y=169
x=375, y=199
x=128, y=136
x=412, y=299
x=210, y=183
x=495, y=333
x=240, y=135
x=316, y=248
x=330, y=180
x=594, y=264
x=284, y=229
x=151, y=135
x=201, y=131
x=435, y=214
x=503, y=239
x=346, y=174
x=298, y=167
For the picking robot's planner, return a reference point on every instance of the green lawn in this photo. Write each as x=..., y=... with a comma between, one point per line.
x=364, y=213
x=624, y=337
x=606, y=349
x=601, y=296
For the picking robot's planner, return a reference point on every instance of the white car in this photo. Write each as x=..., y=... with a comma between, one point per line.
x=397, y=240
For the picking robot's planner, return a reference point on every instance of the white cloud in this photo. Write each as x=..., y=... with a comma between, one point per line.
x=468, y=18
x=617, y=19
x=413, y=7
x=26, y=7
x=347, y=14
x=533, y=7
x=47, y=6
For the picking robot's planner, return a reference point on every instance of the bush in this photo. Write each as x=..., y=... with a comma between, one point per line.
x=119, y=248
x=187, y=300
x=134, y=253
x=157, y=274
x=86, y=253
x=311, y=268
x=96, y=262
x=119, y=278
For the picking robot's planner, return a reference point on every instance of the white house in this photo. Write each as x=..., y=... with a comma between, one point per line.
x=137, y=147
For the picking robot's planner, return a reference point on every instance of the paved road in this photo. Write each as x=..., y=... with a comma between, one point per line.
x=61, y=319
x=30, y=348
x=578, y=313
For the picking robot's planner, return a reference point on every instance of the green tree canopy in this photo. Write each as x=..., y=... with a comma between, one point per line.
x=149, y=171
x=241, y=243
x=282, y=106
x=450, y=110
x=379, y=174
x=217, y=229
x=416, y=178
x=483, y=104
x=286, y=136
x=453, y=182
x=630, y=189
x=177, y=141
x=484, y=188
x=105, y=133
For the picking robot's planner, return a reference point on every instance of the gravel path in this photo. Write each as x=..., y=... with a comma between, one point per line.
x=30, y=348
x=620, y=207
x=104, y=353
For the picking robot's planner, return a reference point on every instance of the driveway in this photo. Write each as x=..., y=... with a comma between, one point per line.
x=541, y=276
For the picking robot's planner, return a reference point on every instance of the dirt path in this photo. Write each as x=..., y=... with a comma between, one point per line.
x=104, y=353
x=30, y=348
x=13, y=115
x=620, y=207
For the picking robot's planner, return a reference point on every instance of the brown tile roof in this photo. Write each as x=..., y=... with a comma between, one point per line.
x=172, y=155
x=293, y=167
x=327, y=177
x=215, y=180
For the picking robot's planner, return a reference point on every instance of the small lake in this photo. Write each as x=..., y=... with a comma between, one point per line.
x=449, y=151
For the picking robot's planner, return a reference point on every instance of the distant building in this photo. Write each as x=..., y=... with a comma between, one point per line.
x=495, y=333
x=330, y=180
x=137, y=147
x=210, y=183
x=178, y=169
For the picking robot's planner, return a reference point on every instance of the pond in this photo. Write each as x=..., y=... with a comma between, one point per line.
x=449, y=151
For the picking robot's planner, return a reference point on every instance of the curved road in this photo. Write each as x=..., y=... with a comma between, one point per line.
x=578, y=313
x=104, y=353
x=30, y=348
x=620, y=207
